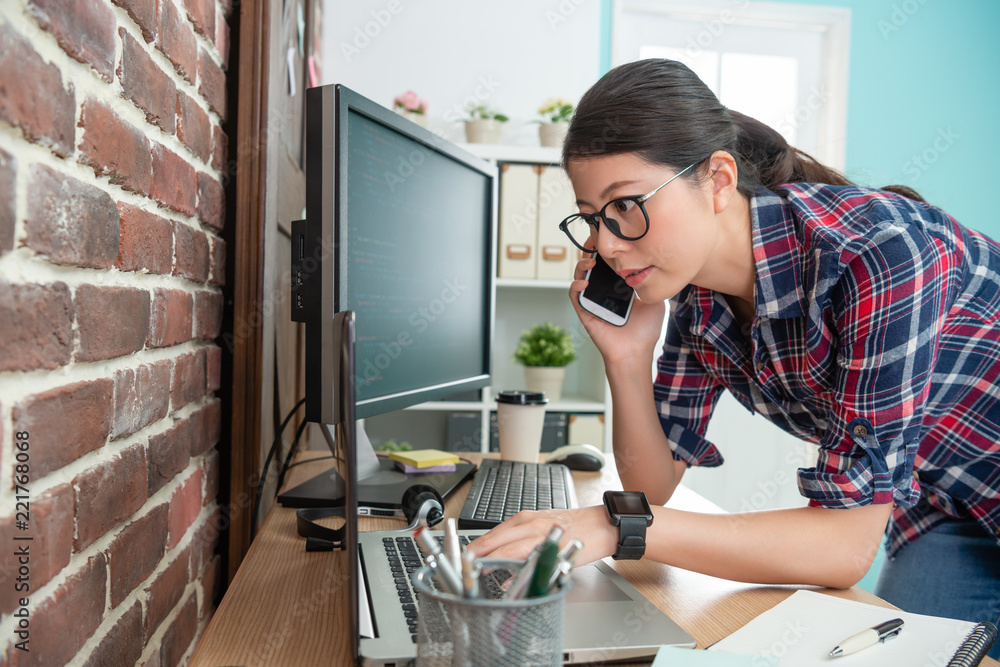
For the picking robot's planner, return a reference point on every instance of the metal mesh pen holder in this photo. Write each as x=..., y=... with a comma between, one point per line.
x=487, y=630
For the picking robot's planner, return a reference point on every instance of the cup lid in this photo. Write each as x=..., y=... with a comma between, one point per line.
x=522, y=397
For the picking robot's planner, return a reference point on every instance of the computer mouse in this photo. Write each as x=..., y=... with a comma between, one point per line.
x=578, y=457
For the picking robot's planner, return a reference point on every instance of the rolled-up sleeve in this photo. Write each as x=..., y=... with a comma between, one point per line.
x=889, y=305
x=685, y=396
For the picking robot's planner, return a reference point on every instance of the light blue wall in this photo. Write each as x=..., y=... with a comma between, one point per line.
x=924, y=100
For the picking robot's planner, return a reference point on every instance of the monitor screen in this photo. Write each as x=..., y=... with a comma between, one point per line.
x=410, y=220
x=411, y=263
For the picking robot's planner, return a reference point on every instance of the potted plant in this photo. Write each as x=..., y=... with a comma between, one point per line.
x=411, y=105
x=545, y=350
x=484, y=125
x=556, y=114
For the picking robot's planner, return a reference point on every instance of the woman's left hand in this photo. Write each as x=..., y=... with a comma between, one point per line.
x=519, y=535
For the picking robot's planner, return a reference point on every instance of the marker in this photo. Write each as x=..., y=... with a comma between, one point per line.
x=878, y=634
x=545, y=567
x=522, y=581
x=565, y=563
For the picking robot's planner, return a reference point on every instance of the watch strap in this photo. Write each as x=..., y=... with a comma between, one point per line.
x=631, y=538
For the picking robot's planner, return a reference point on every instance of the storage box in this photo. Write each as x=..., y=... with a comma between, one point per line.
x=463, y=432
x=556, y=256
x=586, y=429
x=518, y=234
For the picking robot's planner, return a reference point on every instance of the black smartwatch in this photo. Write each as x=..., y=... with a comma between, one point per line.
x=629, y=510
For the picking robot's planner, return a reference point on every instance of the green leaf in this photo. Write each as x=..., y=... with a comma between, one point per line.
x=545, y=345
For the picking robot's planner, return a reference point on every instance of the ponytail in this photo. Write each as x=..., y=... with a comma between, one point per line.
x=775, y=161
x=660, y=110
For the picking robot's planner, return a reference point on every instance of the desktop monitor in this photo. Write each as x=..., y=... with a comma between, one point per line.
x=400, y=229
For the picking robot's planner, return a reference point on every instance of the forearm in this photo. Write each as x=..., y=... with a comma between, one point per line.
x=805, y=545
x=642, y=453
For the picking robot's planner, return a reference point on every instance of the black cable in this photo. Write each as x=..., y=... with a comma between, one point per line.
x=288, y=457
x=318, y=458
x=267, y=464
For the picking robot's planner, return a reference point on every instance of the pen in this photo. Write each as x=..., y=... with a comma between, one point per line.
x=449, y=580
x=522, y=581
x=440, y=562
x=869, y=637
x=565, y=563
x=471, y=568
x=452, y=547
x=548, y=558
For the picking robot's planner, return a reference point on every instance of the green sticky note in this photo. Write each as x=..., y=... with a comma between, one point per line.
x=671, y=656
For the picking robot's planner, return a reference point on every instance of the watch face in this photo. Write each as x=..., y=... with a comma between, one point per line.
x=629, y=504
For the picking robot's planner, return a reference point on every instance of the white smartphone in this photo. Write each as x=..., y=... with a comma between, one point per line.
x=607, y=295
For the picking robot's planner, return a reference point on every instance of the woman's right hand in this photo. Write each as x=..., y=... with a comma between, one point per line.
x=636, y=340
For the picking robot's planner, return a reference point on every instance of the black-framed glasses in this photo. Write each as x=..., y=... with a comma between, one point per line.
x=625, y=217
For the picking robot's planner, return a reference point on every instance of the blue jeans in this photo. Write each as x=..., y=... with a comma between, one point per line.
x=952, y=571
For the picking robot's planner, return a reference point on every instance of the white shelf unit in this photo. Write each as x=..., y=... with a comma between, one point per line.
x=520, y=304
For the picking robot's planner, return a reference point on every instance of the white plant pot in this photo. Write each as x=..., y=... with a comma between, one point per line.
x=553, y=134
x=418, y=118
x=483, y=131
x=546, y=379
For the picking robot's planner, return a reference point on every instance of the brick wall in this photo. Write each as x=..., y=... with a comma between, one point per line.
x=111, y=269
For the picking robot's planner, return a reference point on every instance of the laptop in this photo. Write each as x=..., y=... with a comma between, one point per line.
x=380, y=493
x=607, y=619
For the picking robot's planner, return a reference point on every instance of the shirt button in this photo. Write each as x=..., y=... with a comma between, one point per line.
x=861, y=431
x=760, y=366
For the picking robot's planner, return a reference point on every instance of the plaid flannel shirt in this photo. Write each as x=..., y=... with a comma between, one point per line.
x=876, y=335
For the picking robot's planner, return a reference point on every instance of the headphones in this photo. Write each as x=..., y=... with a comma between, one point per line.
x=421, y=504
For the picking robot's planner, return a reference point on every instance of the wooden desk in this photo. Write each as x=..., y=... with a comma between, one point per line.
x=287, y=606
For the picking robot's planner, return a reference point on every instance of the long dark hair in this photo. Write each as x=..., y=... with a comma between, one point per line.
x=661, y=111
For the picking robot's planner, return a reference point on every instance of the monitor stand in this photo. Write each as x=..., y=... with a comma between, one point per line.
x=380, y=484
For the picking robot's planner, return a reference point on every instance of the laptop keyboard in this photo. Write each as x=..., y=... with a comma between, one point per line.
x=404, y=560
x=501, y=489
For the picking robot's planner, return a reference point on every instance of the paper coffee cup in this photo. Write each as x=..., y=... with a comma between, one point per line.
x=520, y=419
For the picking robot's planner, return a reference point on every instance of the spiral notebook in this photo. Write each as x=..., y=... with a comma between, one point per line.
x=804, y=628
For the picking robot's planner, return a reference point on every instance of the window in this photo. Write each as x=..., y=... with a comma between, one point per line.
x=785, y=65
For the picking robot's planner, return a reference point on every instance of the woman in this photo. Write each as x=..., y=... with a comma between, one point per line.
x=862, y=320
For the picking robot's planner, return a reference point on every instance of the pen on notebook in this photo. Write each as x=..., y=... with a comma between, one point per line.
x=869, y=637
